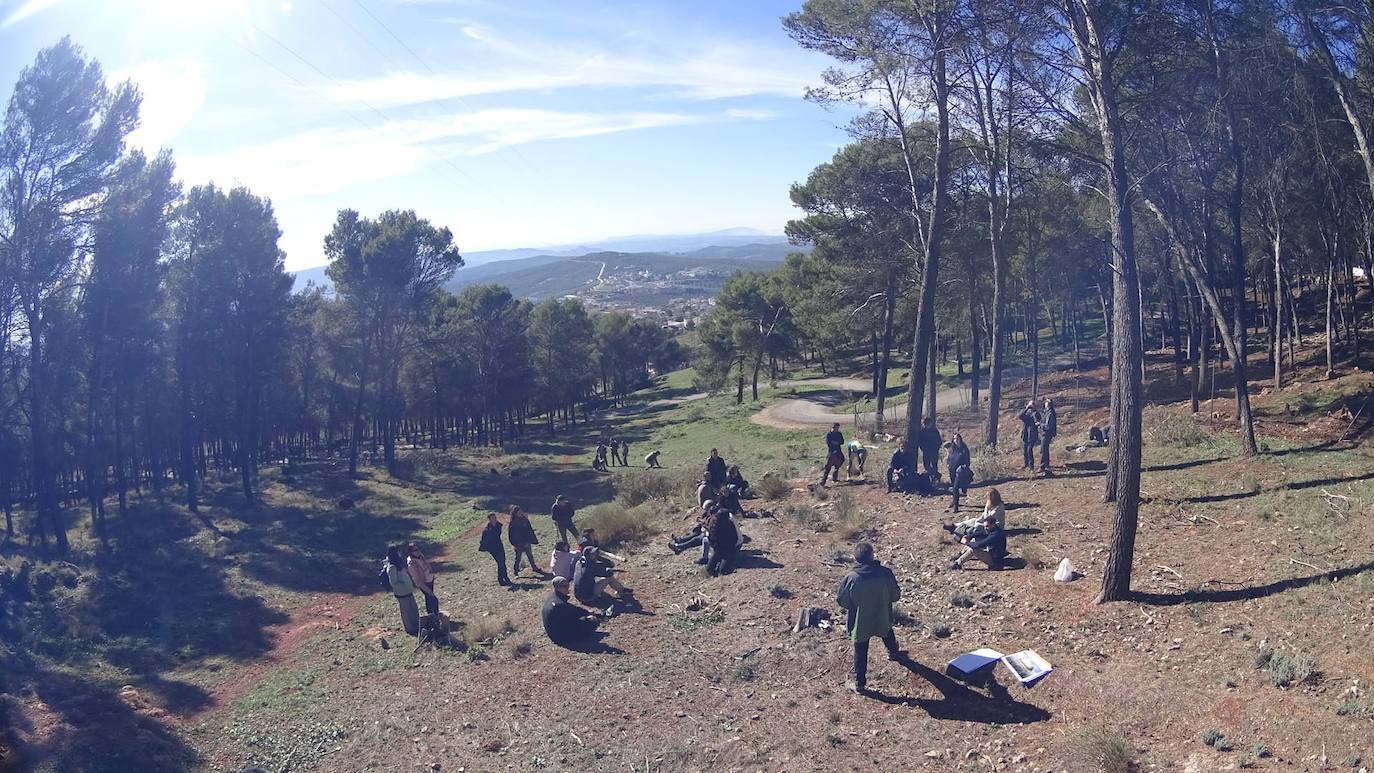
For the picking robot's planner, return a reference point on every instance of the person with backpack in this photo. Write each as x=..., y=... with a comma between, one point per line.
x=562, y=512
x=867, y=593
x=523, y=539
x=491, y=544
x=417, y=566
x=396, y=579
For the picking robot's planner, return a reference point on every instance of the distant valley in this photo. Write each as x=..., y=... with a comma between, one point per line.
x=672, y=283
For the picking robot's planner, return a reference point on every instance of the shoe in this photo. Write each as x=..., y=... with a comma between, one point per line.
x=701, y=561
x=949, y=527
x=673, y=547
x=955, y=566
x=897, y=657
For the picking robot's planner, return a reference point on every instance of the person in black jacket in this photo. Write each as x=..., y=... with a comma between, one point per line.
x=1030, y=435
x=988, y=544
x=960, y=462
x=491, y=543
x=715, y=469
x=592, y=576
x=1049, y=427
x=929, y=440
x=736, y=478
x=562, y=512
x=834, y=453
x=901, y=471
x=724, y=539
x=523, y=539
x=565, y=622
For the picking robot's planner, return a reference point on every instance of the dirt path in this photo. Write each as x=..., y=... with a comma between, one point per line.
x=805, y=413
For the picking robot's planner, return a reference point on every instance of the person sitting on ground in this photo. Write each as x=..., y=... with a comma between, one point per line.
x=698, y=533
x=599, y=461
x=715, y=469
x=491, y=544
x=987, y=544
x=929, y=440
x=417, y=566
x=706, y=490
x=1030, y=435
x=858, y=453
x=834, y=453
x=588, y=540
x=562, y=512
x=736, y=478
x=566, y=623
x=592, y=575
x=561, y=561
x=992, y=508
x=867, y=593
x=959, y=461
x=651, y=461
x=724, y=538
x=521, y=534
x=403, y=588
x=729, y=501
x=901, y=471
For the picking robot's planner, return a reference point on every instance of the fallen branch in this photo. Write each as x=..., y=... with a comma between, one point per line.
x=1304, y=563
x=1169, y=569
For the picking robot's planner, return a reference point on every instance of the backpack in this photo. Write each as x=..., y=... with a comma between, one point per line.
x=383, y=579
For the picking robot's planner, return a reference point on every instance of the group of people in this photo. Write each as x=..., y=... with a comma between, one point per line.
x=717, y=533
x=619, y=451
x=838, y=453
x=405, y=570
x=722, y=485
x=1038, y=429
x=903, y=475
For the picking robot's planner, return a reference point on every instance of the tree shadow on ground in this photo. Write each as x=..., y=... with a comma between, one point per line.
x=533, y=489
x=1249, y=593
x=961, y=703
x=1294, y=486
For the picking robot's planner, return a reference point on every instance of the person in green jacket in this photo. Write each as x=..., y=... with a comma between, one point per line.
x=868, y=593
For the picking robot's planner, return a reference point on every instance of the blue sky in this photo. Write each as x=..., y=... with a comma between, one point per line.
x=516, y=123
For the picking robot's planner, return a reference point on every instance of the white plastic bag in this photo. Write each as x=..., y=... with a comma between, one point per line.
x=1065, y=572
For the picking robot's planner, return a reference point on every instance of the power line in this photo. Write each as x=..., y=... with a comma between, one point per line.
x=394, y=36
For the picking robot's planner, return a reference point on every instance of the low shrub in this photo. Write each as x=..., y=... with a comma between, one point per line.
x=616, y=526
x=779, y=591
x=1283, y=669
x=487, y=629
x=961, y=600
x=1352, y=706
x=635, y=487
x=1098, y=749
x=1162, y=427
x=773, y=486
x=1216, y=739
x=807, y=516
x=851, y=521
x=940, y=631
x=988, y=464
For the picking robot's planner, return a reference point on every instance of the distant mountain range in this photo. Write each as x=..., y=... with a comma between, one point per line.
x=625, y=271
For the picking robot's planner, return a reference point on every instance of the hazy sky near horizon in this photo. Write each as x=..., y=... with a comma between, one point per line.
x=518, y=123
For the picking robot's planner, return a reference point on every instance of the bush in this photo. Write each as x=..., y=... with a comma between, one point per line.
x=1098, y=749
x=636, y=487
x=1162, y=427
x=1352, y=706
x=940, y=631
x=487, y=629
x=961, y=600
x=773, y=486
x=1282, y=669
x=1216, y=739
x=988, y=464
x=808, y=516
x=851, y=521
x=616, y=526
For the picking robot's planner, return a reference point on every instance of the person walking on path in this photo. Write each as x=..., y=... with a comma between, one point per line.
x=417, y=566
x=867, y=593
x=834, y=453
x=523, y=539
x=1030, y=435
x=1049, y=428
x=562, y=512
x=403, y=588
x=491, y=544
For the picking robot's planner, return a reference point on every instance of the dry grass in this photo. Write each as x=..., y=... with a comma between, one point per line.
x=1099, y=750
x=851, y=521
x=773, y=487
x=989, y=464
x=1162, y=427
x=616, y=526
x=487, y=629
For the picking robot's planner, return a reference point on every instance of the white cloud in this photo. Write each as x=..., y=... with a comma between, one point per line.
x=712, y=71
x=173, y=92
x=330, y=159
x=26, y=10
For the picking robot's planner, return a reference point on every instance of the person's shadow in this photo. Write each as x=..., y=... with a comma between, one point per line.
x=962, y=703
x=593, y=644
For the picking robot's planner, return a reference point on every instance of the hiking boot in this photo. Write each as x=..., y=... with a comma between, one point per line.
x=673, y=547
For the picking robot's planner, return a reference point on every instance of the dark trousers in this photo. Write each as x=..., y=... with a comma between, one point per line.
x=502, y=578
x=431, y=601
x=566, y=528
x=719, y=560
x=1045, y=453
x=861, y=655
x=930, y=459
x=1028, y=453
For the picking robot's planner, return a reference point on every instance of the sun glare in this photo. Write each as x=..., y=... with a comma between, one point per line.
x=187, y=12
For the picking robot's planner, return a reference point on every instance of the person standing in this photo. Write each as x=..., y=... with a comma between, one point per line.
x=1049, y=428
x=715, y=469
x=523, y=539
x=834, y=453
x=491, y=544
x=403, y=588
x=562, y=512
x=624, y=453
x=1030, y=435
x=960, y=463
x=929, y=440
x=417, y=566
x=867, y=593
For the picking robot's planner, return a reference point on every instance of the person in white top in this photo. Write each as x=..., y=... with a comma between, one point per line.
x=992, y=509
